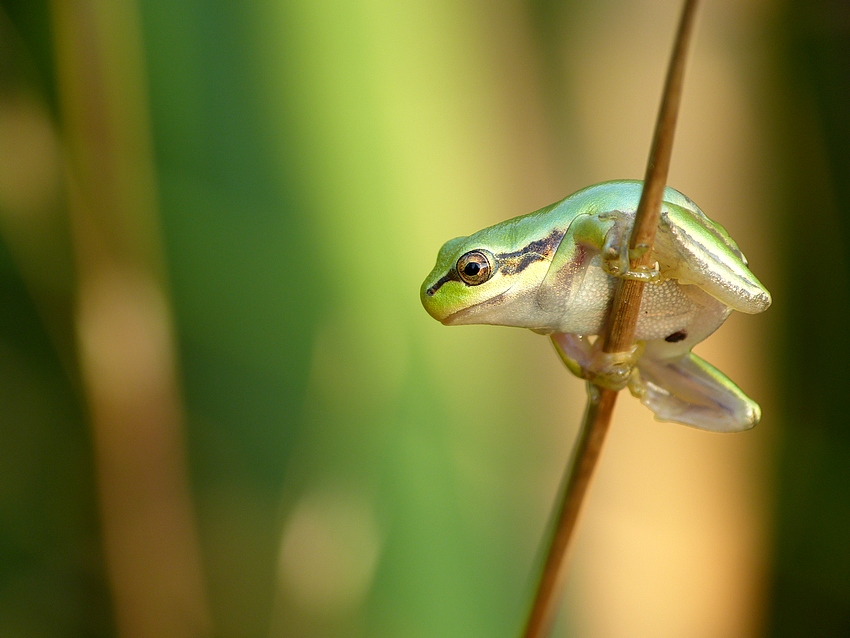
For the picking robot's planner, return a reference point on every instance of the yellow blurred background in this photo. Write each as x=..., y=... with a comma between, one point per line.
x=227, y=414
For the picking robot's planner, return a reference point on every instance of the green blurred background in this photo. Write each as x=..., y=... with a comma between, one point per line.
x=225, y=413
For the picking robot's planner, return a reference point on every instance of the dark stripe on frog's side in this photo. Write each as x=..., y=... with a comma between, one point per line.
x=513, y=262
x=518, y=260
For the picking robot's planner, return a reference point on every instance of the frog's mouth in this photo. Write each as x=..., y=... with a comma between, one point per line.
x=459, y=317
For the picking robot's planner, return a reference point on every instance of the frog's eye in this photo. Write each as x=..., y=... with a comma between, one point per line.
x=474, y=267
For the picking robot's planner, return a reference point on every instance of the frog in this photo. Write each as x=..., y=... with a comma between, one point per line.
x=555, y=271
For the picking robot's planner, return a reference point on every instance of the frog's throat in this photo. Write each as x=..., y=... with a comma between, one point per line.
x=459, y=314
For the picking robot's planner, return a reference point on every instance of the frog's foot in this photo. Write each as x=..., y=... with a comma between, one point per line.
x=615, y=252
x=588, y=361
x=693, y=392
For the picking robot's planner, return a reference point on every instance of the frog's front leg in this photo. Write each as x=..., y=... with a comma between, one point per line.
x=616, y=257
x=691, y=391
x=588, y=361
x=589, y=234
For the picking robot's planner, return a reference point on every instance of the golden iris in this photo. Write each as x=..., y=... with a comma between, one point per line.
x=474, y=268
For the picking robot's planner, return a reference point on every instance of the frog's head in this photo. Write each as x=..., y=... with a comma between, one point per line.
x=490, y=277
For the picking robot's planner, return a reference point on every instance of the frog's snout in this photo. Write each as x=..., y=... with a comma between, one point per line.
x=426, y=296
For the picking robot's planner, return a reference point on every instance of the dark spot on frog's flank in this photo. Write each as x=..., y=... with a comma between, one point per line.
x=679, y=335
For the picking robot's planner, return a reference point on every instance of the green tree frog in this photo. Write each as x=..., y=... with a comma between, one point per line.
x=554, y=271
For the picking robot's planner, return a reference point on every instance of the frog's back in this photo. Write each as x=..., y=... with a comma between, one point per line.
x=616, y=195
x=624, y=196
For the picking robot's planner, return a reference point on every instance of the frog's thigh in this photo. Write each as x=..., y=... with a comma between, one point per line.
x=575, y=351
x=694, y=255
x=691, y=391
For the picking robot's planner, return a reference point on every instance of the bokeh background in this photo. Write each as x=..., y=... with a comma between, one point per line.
x=223, y=411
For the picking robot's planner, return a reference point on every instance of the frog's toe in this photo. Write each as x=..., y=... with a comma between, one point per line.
x=693, y=392
x=615, y=248
x=611, y=370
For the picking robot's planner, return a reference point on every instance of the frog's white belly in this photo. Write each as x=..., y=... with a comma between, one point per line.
x=666, y=308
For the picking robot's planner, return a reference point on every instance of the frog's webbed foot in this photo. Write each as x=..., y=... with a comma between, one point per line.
x=693, y=392
x=587, y=360
x=615, y=251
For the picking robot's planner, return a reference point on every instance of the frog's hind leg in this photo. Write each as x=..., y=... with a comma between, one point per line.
x=586, y=360
x=691, y=391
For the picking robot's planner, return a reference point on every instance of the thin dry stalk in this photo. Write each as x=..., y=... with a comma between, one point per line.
x=123, y=326
x=618, y=337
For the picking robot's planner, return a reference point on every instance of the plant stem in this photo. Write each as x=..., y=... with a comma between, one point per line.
x=623, y=318
x=597, y=417
x=618, y=337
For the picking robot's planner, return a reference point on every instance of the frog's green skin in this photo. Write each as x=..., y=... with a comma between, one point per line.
x=555, y=270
